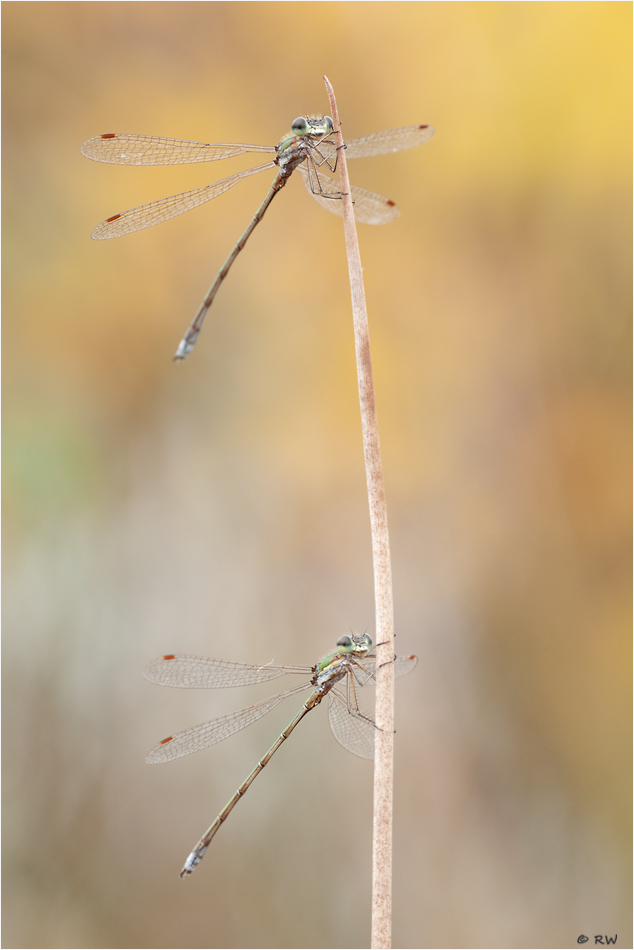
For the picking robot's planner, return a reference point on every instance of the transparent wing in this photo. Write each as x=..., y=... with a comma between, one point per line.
x=392, y=140
x=200, y=672
x=146, y=216
x=209, y=733
x=350, y=729
x=368, y=207
x=123, y=149
x=402, y=666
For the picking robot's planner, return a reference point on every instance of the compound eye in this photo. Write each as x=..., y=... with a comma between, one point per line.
x=369, y=640
x=300, y=125
x=344, y=642
x=328, y=124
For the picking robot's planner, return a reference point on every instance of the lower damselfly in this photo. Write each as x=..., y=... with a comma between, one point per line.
x=308, y=147
x=352, y=663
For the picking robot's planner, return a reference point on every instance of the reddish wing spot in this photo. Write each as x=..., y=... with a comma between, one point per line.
x=163, y=741
x=420, y=127
x=109, y=135
x=113, y=218
x=392, y=204
x=170, y=657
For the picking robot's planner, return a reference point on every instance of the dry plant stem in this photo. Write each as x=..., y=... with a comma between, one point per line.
x=384, y=740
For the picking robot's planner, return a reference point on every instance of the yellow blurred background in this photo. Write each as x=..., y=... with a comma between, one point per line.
x=218, y=507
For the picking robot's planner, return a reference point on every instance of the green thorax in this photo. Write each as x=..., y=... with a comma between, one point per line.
x=346, y=646
x=308, y=128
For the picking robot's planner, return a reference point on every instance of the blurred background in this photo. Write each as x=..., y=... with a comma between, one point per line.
x=218, y=507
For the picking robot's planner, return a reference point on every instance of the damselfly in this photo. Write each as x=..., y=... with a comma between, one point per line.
x=352, y=661
x=308, y=147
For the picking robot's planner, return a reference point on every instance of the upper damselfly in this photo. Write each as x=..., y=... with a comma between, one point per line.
x=308, y=148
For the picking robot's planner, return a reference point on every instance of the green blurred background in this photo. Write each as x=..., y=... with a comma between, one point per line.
x=218, y=507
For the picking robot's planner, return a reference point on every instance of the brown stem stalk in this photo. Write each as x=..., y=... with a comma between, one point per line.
x=384, y=741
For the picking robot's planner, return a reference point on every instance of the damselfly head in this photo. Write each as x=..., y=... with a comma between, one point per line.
x=355, y=644
x=312, y=125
